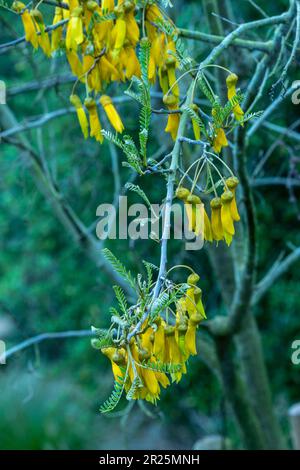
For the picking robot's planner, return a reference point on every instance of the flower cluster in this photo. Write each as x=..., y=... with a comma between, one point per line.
x=100, y=42
x=224, y=212
x=161, y=347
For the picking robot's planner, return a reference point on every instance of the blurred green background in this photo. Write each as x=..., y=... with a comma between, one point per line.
x=50, y=393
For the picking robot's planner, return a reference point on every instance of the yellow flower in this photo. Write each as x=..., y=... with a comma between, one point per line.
x=95, y=125
x=43, y=38
x=118, y=32
x=216, y=222
x=220, y=140
x=131, y=64
x=172, y=352
x=159, y=340
x=182, y=193
x=152, y=15
x=226, y=217
x=190, y=337
x=112, y=113
x=194, y=212
x=28, y=23
x=199, y=305
x=132, y=29
x=171, y=67
x=108, y=5
x=56, y=33
x=117, y=358
x=173, y=119
x=90, y=7
x=163, y=79
x=232, y=183
x=75, y=100
x=181, y=329
x=74, y=62
x=74, y=36
x=231, y=82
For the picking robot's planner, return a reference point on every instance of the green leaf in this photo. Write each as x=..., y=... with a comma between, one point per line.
x=118, y=267
x=111, y=403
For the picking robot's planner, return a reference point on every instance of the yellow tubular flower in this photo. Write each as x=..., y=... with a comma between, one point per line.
x=159, y=340
x=89, y=8
x=199, y=304
x=220, y=140
x=216, y=223
x=132, y=65
x=231, y=82
x=172, y=350
x=132, y=29
x=173, y=119
x=74, y=35
x=190, y=300
x=108, y=5
x=147, y=339
x=73, y=4
x=43, y=38
x=151, y=70
x=66, y=13
x=190, y=337
x=28, y=24
x=95, y=125
x=181, y=330
x=208, y=235
x=226, y=217
x=173, y=85
x=163, y=79
x=108, y=69
x=117, y=358
x=232, y=183
x=194, y=215
x=74, y=62
x=56, y=33
x=112, y=113
x=152, y=15
x=75, y=100
x=120, y=34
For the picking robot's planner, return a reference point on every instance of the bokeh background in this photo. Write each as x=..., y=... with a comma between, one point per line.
x=50, y=393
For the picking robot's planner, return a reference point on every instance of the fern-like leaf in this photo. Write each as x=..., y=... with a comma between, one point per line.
x=111, y=403
x=118, y=267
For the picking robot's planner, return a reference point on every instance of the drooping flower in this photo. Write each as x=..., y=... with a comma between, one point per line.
x=74, y=36
x=231, y=82
x=220, y=140
x=95, y=125
x=112, y=113
x=43, y=38
x=173, y=119
x=56, y=35
x=232, y=183
x=28, y=23
x=75, y=100
x=216, y=222
x=226, y=217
